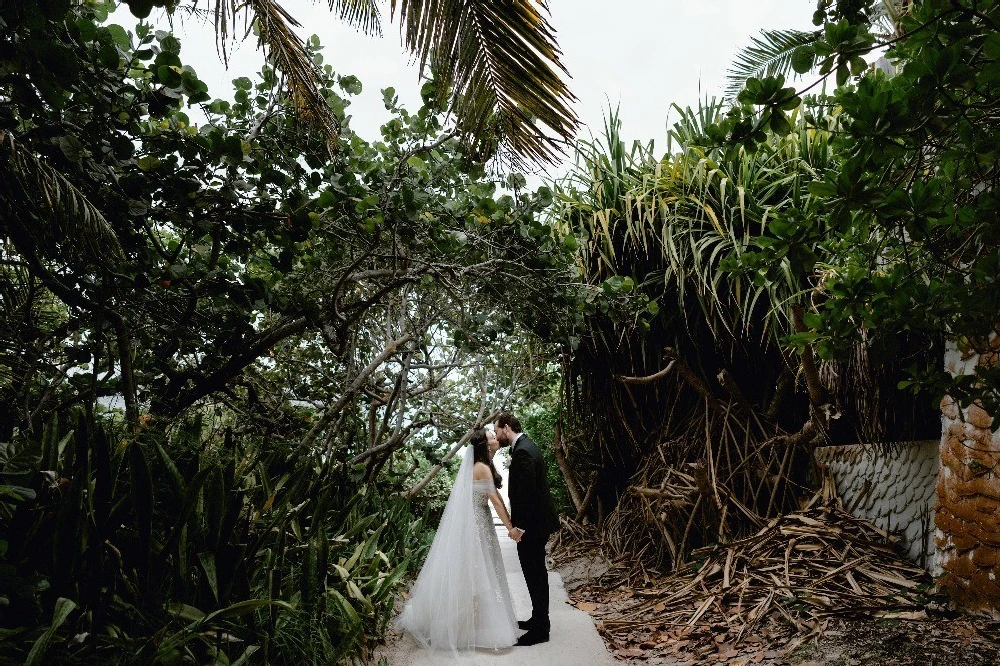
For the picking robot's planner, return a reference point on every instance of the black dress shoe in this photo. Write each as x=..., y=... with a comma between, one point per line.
x=533, y=638
x=524, y=624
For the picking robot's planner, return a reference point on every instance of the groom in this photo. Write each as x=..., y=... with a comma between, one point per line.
x=534, y=517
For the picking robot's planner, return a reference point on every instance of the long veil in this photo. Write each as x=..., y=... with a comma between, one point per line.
x=440, y=612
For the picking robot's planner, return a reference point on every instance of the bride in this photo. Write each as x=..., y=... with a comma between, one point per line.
x=461, y=599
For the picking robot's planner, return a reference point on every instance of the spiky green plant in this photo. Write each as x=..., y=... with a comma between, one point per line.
x=658, y=239
x=163, y=545
x=669, y=224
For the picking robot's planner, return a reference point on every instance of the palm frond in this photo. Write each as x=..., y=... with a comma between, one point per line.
x=302, y=75
x=502, y=66
x=362, y=14
x=767, y=55
x=28, y=183
x=277, y=36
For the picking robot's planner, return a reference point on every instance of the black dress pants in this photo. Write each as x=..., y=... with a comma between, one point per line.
x=531, y=554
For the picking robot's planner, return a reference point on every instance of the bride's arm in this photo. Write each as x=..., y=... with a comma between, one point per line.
x=501, y=510
x=481, y=473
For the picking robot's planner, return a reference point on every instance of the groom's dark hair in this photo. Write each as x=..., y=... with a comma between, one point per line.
x=508, y=419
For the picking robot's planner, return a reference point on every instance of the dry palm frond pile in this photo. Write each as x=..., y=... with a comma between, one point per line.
x=788, y=579
x=719, y=479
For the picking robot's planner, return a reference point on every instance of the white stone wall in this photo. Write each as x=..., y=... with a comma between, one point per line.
x=893, y=486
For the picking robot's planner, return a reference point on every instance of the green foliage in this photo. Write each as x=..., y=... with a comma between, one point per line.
x=242, y=238
x=499, y=67
x=272, y=317
x=692, y=266
x=162, y=554
x=432, y=499
x=662, y=234
x=908, y=204
x=773, y=52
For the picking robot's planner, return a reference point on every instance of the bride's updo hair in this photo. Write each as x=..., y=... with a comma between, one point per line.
x=481, y=453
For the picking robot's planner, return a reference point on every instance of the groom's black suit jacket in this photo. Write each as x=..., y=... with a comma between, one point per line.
x=531, y=506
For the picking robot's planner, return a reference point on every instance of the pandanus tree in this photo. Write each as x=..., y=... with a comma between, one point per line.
x=693, y=369
x=669, y=336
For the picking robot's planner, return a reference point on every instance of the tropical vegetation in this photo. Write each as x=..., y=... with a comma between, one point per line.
x=497, y=66
x=909, y=201
x=239, y=342
x=787, y=275
x=234, y=356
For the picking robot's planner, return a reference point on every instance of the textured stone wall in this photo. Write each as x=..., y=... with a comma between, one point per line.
x=891, y=485
x=968, y=511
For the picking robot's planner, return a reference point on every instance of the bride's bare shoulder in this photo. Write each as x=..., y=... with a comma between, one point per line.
x=481, y=471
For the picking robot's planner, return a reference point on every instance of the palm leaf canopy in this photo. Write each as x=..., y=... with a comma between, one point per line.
x=501, y=60
x=496, y=60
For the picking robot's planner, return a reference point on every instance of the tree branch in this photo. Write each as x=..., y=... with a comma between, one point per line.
x=648, y=379
x=331, y=412
x=480, y=422
x=234, y=366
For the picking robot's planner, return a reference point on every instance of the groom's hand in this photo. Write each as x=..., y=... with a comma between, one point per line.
x=515, y=533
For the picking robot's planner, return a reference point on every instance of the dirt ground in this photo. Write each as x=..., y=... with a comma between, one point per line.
x=938, y=641
x=938, y=638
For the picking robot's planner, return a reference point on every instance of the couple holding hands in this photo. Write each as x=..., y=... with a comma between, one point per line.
x=461, y=599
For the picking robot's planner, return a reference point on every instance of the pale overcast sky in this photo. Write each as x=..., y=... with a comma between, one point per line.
x=640, y=55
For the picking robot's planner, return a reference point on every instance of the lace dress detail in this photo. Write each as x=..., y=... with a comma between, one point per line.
x=496, y=624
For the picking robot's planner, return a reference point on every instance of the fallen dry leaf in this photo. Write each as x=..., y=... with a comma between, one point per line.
x=777, y=585
x=903, y=615
x=631, y=654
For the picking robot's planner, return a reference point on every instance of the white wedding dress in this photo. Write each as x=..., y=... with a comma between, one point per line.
x=461, y=599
